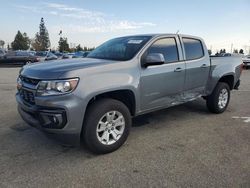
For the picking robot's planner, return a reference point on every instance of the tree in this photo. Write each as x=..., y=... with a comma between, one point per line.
x=2, y=43
x=26, y=38
x=222, y=51
x=21, y=41
x=79, y=48
x=85, y=48
x=90, y=49
x=63, y=44
x=235, y=51
x=241, y=51
x=41, y=41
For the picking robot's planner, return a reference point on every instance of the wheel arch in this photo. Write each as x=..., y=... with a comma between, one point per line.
x=126, y=96
x=229, y=79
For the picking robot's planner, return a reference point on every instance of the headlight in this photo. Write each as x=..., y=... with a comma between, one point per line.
x=56, y=87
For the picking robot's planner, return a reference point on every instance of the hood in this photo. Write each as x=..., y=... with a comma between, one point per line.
x=54, y=69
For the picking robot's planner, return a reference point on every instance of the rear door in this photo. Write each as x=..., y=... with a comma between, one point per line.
x=162, y=85
x=197, y=67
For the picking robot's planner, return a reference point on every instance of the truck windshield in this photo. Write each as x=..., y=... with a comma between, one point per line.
x=120, y=49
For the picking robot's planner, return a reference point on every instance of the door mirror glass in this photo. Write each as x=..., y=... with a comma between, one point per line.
x=153, y=59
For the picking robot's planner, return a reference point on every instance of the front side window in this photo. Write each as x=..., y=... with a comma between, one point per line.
x=167, y=47
x=193, y=48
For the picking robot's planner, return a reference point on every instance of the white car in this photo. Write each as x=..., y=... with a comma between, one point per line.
x=246, y=61
x=45, y=56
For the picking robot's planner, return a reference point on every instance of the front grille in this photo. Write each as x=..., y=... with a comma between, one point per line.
x=29, y=80
x=27, y=96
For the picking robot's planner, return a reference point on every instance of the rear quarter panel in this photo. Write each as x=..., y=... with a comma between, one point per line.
x=223, y=66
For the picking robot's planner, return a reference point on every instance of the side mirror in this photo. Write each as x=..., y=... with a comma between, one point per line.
x=153, y=59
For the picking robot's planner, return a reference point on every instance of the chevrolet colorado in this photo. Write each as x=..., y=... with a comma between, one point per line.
x=93, y=99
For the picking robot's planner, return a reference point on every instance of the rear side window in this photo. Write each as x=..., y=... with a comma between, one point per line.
x=193, y=48
x=167, y=47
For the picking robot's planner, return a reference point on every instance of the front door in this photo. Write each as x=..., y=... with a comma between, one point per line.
x=162, y=85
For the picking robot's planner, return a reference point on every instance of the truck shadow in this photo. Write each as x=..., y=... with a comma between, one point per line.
x=182, y=111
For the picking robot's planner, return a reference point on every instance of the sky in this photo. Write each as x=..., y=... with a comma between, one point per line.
x=221, y=23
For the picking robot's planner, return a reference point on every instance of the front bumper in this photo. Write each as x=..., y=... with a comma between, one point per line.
x=60, y=116
x=43, y=118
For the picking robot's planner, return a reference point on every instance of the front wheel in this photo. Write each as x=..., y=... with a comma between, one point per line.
x=218, y=101
x=107, y=126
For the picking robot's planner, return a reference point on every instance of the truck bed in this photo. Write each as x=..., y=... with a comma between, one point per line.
x=222, y=66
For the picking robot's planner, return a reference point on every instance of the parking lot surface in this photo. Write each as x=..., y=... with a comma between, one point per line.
x=183, y=146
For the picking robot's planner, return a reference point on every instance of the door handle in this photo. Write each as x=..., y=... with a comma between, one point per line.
x=179, y=69
x=204, y=66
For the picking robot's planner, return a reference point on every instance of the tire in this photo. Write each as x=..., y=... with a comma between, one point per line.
x=28, y=62
x=213, y=104
x=98, y=112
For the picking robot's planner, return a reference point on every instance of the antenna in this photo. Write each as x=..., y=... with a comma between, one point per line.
x=177, y=32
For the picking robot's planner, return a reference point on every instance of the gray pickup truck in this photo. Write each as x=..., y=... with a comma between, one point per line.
x=93, y=99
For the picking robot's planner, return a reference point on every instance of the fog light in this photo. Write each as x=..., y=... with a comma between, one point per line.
x=50, y=120
x=55, y=119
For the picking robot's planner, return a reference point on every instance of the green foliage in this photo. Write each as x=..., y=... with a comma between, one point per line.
x=88, y=49
x=21, y=42
x=235, y=51
x=41, y=42
x=241, y=51
x=79, y=48
x=222, y=51
x=63, y=44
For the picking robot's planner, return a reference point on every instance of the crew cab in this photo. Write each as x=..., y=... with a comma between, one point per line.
x=93, y=99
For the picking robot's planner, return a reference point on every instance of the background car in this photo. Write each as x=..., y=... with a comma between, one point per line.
x=65, y=56
x=246, y=61
x=70, y=54
x=80, y=54
x=2, y=53
x=46, y=56
x=58, y=54
x=18, y=58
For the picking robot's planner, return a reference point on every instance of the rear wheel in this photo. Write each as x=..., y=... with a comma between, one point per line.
x=218, y=101
x=107, y=126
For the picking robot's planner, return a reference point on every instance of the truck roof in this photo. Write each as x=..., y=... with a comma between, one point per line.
x=166, y=34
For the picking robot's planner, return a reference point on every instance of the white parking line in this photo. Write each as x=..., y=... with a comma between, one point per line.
x=244, y=90
x=245, y=119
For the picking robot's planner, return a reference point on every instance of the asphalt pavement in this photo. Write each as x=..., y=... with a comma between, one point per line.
x=183, y=146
